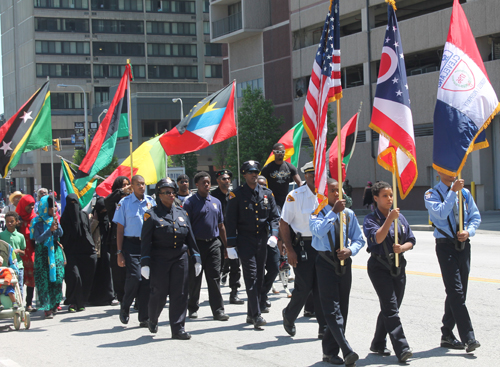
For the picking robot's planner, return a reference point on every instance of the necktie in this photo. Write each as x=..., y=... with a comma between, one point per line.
x=336, y=225
x=455, y=211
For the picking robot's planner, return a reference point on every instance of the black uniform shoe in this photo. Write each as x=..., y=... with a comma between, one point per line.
x=264, y=310
x=249, y=320
x=309, y=314
x=221, y=316
x=153, y=327
x=234, y=299
x=381, y=352
x=193, y=315
x=289, y=326
x=182, y=335
x=333, y=359
x=405, y=355
x=124, y=317
x=451, y=342
x=144, y=323
x=351, y=358
x=321, y=335
x=268, y=303
x=258, y=322
x=472, y=345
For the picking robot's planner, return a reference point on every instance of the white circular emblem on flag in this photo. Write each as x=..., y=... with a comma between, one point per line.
x=388, y=64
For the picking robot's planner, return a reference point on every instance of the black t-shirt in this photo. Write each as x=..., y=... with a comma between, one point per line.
x=278, y=177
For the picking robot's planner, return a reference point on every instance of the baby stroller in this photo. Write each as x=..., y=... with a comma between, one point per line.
x=19, y=315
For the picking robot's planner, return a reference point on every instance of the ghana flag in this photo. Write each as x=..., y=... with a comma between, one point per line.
x=68, y=187
x=291, y=140
x=347, y=144
x=114, y=125
x=29, y=129
x=149, y=162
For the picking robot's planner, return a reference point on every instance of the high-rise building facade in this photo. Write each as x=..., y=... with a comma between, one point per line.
x=272, y=44
x=85, y=44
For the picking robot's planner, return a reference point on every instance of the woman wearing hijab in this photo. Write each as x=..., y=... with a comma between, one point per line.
x=80, y=254
x=49, y=257
x=121, y=188
x=27, y=213
x=102, y=289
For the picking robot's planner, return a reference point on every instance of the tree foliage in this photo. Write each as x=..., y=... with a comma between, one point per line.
x=189, y=161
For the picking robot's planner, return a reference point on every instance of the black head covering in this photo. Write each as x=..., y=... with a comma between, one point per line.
x=223, y=172
x=250, y=166
x=72, y=220
x=118, y=182
x=101, y=216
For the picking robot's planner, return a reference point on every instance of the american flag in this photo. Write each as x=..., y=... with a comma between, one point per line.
x=391, y=116
x=324, y=87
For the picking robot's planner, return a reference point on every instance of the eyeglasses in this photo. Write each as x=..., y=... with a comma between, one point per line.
x=279, y=151
x=167, y=193
x=225, y=179
x=183, y=182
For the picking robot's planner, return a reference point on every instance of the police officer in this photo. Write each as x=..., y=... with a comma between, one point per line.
x=231, y=267
x=205, y=213
x=453, y=253
x=250, y=211
x=129, y=216
x=297, y=237
x=166, y=239
x=334, y=280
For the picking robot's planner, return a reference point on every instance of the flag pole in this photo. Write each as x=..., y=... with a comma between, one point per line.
x=237, y=136
x=339, y=167
x=52, y=170
x=74, y=164
x=395, y=205
x=130, y=124
x=460, y=208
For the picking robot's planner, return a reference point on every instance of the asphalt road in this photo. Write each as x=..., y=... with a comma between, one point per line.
x=96, y=337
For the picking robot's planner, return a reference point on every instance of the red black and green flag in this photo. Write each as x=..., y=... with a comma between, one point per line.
x=113, y=126
x=348, y=142
x=29, y=129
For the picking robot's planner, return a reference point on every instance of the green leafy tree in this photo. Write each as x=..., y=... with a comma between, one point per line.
x=259, y=130
x=189, y=161
x=78, y=156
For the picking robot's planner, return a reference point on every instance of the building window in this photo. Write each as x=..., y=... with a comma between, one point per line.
x=63, y=70
x=206, y=6
x=118, y=49
x=188, y=29
x=352, y=76
x=252, y=84
x=101, y=94
x=206, y=27
x=168, y=6
x=61, y=25
x=66, y=101
x=213, y=71
x=152, y=127
x=213, y=49
x=116, y=71
x=62, y=4
x=59, y=47
x=162, y=49
x=234, y=9
x=172, y=72
x=117, y=26
x=117, y=5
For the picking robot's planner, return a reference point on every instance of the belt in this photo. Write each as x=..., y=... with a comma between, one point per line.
x=132, y=239
x=207, y=239
x=391, y=255
x=444, y=240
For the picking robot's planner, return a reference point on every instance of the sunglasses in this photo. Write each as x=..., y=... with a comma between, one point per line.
x=183, y=182
x=279, y=151
x=225, y=179
x=167, y=193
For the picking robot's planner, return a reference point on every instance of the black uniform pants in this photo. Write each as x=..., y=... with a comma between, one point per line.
x=253, y=253
x=272, y=271
x=232, y=269
x=334, y=294
x=79, y=275
x=455, y=268
x=118, y=273
x=135, y=285
x=390, y=291
x=306, y=284
x=211, y=263
x=169, y=277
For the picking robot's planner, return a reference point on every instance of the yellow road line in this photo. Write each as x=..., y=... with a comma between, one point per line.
x=476, y=279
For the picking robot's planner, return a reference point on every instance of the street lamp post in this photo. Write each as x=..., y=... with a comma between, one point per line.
x=182, y=108
x=84, y=112
x=99, y=117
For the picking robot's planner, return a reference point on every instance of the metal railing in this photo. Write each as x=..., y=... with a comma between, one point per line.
x=227, y=25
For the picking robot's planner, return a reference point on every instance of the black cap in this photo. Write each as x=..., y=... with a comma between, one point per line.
x=250, y=166
x=165, y=182
x=223, y=172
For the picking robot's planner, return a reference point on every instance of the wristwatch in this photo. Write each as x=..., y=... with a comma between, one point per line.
x=118, y=252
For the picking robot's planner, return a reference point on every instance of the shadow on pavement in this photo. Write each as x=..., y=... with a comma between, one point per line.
x=132, y=343
x=280, y=341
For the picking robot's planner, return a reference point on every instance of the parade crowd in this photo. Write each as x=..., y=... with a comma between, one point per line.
x=133, y=247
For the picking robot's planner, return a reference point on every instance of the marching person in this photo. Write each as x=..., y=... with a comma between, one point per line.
x=207, y=220
x=297, y=237
x=231, y=267
x=183, y=184
x=251, y=210
x=129, y=216
x=388, y=280
x=453, y=251
x=166, y=238
x=334, y=280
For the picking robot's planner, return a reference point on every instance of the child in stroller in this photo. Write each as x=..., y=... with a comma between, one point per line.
x=7, y=288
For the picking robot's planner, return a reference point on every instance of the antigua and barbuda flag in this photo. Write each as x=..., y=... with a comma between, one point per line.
x=391, y=116
x=466, y=101
x=209, y=122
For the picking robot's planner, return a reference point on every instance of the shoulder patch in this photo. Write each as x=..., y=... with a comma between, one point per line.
x=231, y=195
x=290, y=198
x=146, y=216
x=314, y=216
x=428, y=194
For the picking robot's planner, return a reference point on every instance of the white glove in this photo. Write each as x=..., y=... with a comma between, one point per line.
x=232, y=253
x=272, y=241
x=197, y=269
x=145, y=272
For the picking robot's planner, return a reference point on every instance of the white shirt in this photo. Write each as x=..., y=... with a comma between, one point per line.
x=299, y=205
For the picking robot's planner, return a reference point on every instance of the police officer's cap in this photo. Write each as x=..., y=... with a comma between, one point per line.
x=308, y=167
x=250, y=166
x=165, y=182
x=223, y=172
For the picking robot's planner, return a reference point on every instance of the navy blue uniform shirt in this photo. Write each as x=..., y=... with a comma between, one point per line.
x=374, y=221
x=205, y=215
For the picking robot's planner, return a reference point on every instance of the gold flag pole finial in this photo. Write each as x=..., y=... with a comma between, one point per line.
x=393, y=3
